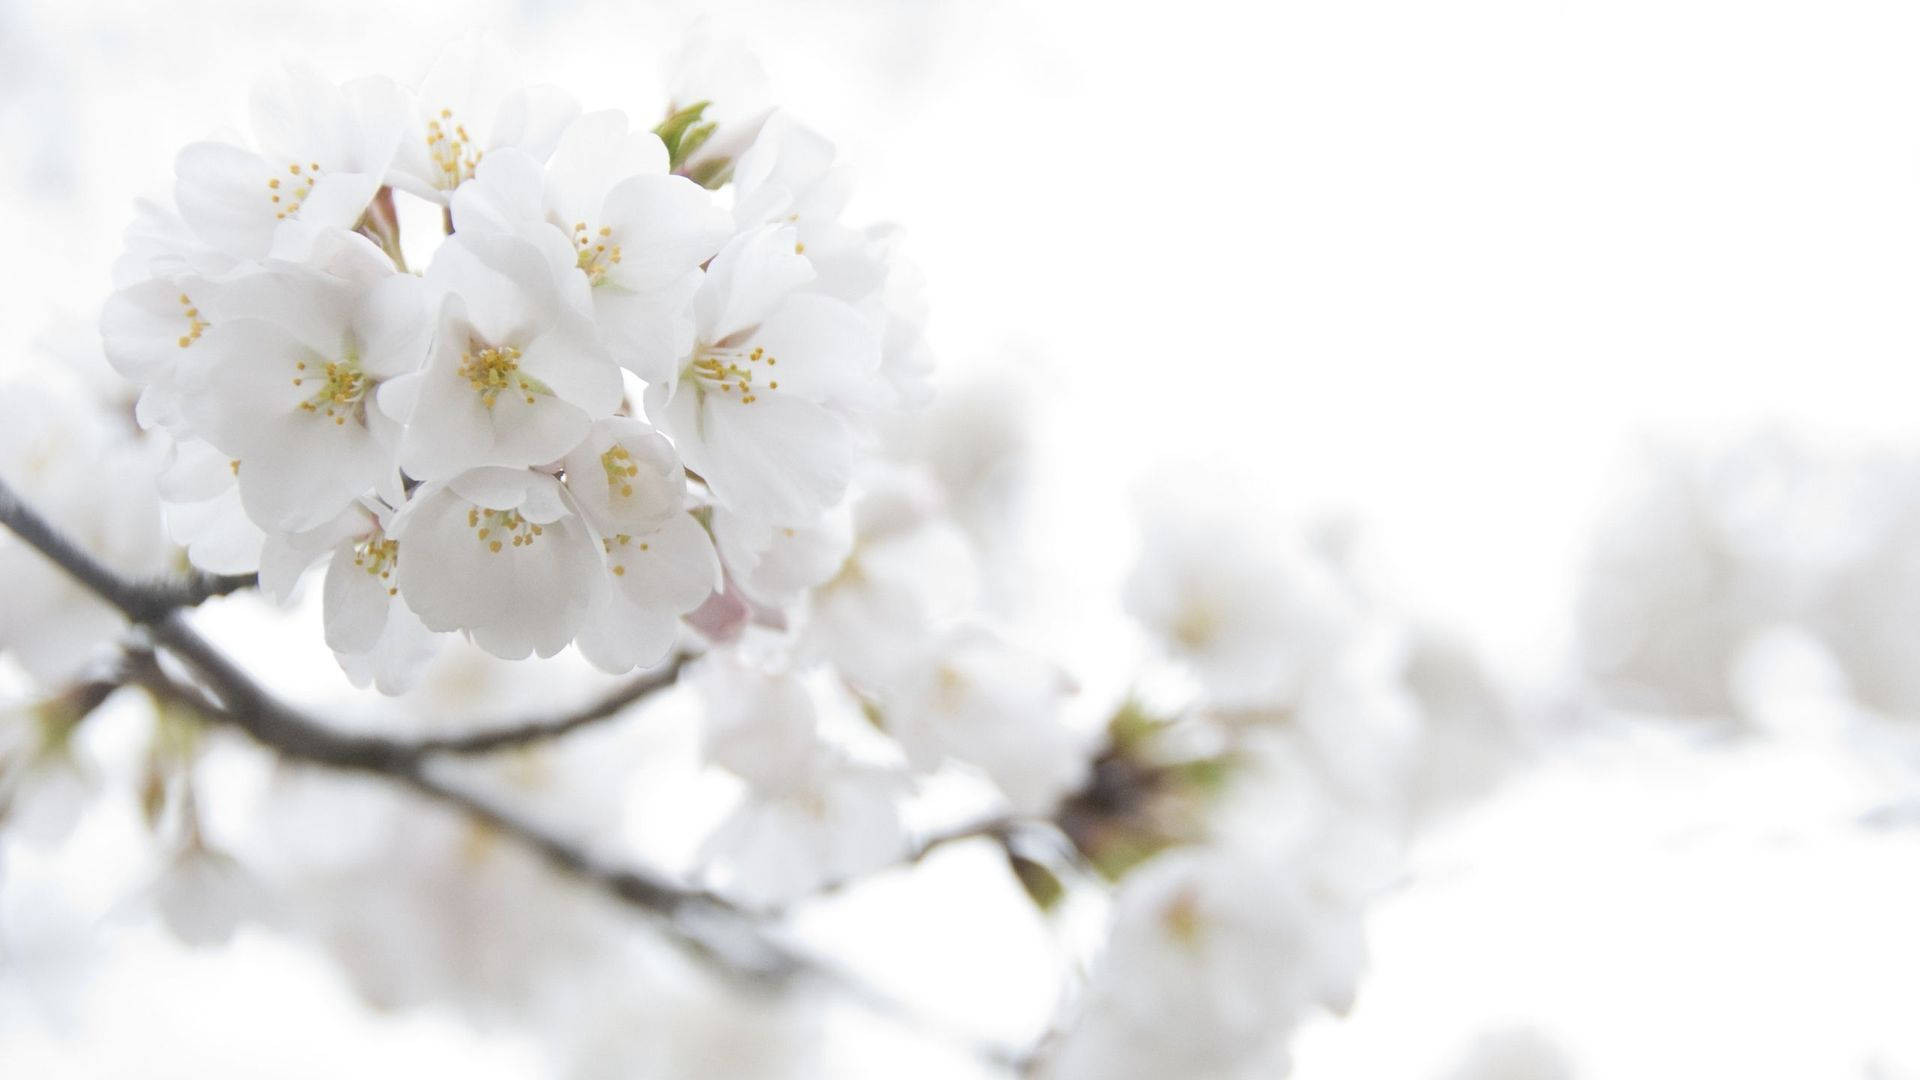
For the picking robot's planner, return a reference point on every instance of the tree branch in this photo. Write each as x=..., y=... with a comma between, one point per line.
x=702, y=921
x=139, y=601
x=151, y=602
x=244, y=704
x=522, y=732
x=999, y=828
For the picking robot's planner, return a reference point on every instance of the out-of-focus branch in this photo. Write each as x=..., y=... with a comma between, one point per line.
x=151, y=602
x=999, y=828
x=521, y=733
x=142, y=601
x=244, y=704
x=731, y=938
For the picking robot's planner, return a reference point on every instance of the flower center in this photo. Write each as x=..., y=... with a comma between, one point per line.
x=619, y=546
x=342, y=393
x=195, y=324
x=494, y=527
x=379, y=557
x=454, y=154
x=490, y=369
x=594, y=251
x=1197, y=625
x=729, y=370
x=620, y=469
x=289, y=195
x=1183, y=919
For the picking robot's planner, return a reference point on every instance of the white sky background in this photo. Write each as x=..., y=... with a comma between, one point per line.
x=1435, y=266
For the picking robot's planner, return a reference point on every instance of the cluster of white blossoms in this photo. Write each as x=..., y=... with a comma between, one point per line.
x=537, y=377
x=515, y=378
x=623, y=346
x=1271, y=798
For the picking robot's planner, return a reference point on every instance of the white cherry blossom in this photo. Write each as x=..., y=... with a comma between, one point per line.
x=1212, y=959
x=790, y=176
x=168, y=284
x=909, y=574
x=776, y=564
x=288, y=389
x=841, y=820
x=755, y=409
x=630, y=486
x=374, y=635
x=975, y=699
x=322, y=153
x=810, y=815
x=1252, y=615
x=515, y=376
x=468, y=106
x=204, y=895
x=638, y=234
x=501, y=555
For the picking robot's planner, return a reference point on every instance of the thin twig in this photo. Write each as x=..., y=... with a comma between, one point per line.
x=1000, y=828
x=542, y=729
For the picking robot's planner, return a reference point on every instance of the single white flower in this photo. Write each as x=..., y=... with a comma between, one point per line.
x=168, y=284
x=909, y=573
x=1213, y=958
x=626, y=478
x=204, y=895
x=469, y=105
x=809, y=815
x=1252, y=616
x=630, y=486
x=289, y=389
x=775, y=564
x=754, y=409
x=975, y=699
x=761, y=725
x=374, y=635
x=501, y=555
x=515, y=376
x=323, y=152
x=840, y=821
x=638, y=233
x=789, y=176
